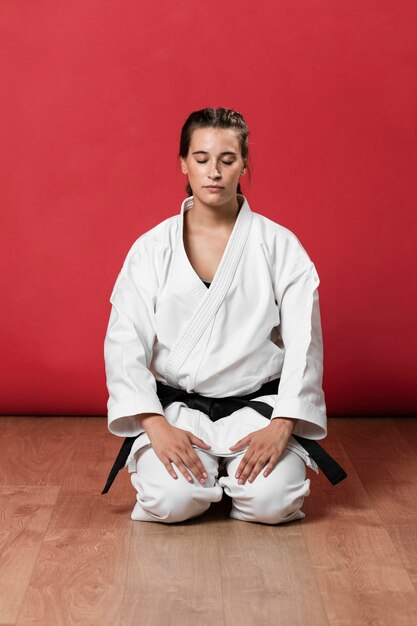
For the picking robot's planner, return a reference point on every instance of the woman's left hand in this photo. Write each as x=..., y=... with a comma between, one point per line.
x=266, y=446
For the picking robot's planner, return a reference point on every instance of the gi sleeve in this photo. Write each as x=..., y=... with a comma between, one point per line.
x=128, y=346
x=300, y=393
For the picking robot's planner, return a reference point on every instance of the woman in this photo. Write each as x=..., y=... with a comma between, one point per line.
x=213, y=350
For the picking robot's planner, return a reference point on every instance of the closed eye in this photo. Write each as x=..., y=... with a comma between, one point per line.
x=224, y=162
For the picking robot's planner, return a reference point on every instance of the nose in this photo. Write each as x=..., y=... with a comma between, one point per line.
x=214, y=171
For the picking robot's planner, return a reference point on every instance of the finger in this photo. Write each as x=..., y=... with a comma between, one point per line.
x=170, y=469
x=197, y=468
x=183, y=469
x=259, y=465
x=243, y=467
x=252, y=468
x=271, y=465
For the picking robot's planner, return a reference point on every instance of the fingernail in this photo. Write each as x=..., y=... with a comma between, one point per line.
x=240, y=482
x=205, y=474
x=202, y=480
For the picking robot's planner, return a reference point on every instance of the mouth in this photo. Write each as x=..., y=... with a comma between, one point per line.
x=213, y=187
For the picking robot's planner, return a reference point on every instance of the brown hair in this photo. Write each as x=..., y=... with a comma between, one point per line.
x=214, y=118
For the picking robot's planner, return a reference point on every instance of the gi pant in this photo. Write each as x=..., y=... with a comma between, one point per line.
x=274, y=499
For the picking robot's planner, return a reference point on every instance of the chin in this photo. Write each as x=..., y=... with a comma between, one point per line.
x=217, y=196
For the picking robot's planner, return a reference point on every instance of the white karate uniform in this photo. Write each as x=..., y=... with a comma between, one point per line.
x=259, y=320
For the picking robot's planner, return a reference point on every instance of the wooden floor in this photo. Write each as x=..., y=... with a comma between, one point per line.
x=70, y=555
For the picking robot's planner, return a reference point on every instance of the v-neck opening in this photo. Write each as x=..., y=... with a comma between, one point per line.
x=207, y=300
x=186, y=206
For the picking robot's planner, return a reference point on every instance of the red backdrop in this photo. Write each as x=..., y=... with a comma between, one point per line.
x=94, y=94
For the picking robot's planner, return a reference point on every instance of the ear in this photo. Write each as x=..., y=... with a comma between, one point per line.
x=184, y=168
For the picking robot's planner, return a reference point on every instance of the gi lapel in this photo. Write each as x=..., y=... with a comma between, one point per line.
x=214, y=296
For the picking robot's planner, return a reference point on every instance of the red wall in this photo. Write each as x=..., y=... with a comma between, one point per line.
x=94, y=94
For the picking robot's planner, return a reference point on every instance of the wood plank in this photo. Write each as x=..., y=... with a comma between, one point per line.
x=367, y=437
x=38, y=453
x=382, y=474
x=173, y=575
x=8, y=428
x=407, y=426
x=348, y=498
x=90, y=510
x=404, y=537
x=92, y=457
x=267, y=575
x=388, y=477
x=352, y=551
x=379, y=608
x=78, y=579
x=81, y=504
x=350, y=555
x=25, y=513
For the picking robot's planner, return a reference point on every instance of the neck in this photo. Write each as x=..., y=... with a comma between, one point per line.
x=206, y=216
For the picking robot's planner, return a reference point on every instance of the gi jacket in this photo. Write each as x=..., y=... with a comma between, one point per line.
x=259, y=320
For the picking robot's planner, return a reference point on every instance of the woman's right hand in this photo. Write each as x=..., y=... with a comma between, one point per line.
x=174, y=445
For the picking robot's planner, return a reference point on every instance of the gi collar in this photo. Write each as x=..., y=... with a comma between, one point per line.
x=188, y=203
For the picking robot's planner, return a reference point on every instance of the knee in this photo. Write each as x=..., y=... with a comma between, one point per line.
x=173, y=501
x=278, y=497
x=279, y=504
x=181, y=504
x=165, y=499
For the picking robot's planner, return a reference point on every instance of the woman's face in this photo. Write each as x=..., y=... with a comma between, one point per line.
x=214, y=165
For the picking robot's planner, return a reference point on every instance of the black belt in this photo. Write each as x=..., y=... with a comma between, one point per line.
x=216, y=408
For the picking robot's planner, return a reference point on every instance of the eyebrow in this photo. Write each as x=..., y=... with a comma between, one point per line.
x=221, y=154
